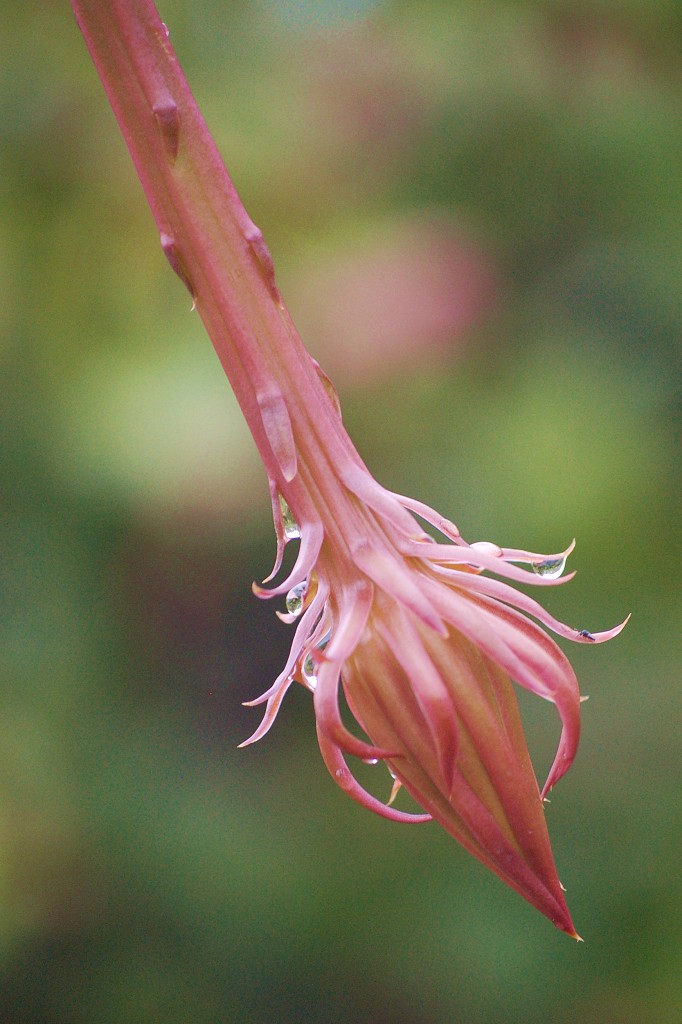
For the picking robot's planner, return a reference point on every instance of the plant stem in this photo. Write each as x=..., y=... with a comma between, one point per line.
x=208, y=237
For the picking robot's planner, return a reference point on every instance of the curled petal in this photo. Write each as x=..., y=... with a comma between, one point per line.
x=303, y=630
x=273, y=706
x=509, y=595
x=312, y=537
x=343, y=777
x=458, y=554
x=429, y=515
x=326, y=699
x=533, y=557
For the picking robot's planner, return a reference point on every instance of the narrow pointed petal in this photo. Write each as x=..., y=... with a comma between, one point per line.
x=385, y=570
x=501, y=591
x=429, y=515
x=303, y=630
x=311, y=542
x=326, y=699
x=273, y=706
x=339, y=771
x=278, y=522
x=534, y=557
x=477, y=557
x=388, y=508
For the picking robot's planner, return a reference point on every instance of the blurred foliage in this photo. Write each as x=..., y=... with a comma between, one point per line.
x=149, y=871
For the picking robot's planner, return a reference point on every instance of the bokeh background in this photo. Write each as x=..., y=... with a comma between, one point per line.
x=475, y=211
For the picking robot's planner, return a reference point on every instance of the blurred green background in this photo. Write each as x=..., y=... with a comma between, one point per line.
x=475, y=211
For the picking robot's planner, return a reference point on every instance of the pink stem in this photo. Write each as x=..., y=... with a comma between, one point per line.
x=209, y=239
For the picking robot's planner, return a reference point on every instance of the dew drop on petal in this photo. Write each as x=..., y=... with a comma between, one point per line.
x=310, y=671
x=295, y=597
x=292, y=531
x=550, y=568
x=371, y=760
x=488, y=548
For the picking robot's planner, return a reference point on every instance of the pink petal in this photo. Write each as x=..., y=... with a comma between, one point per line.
x=326, y=701
x=339, y=771
x=352, y=619
x=362, y=484
x=458, y=554
x=303, y=630
x=270, y=715
x=395, y=578
x=429, y=688
x=503, y=592
x=279, y=530
x=312, y=537
x=524, y=651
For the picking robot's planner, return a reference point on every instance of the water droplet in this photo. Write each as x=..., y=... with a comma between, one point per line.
x=488, y=548
x=295, y=598
x=310, y=665
x=310, y=671
x=292, y=530
x=550, y=569
x=371, y=760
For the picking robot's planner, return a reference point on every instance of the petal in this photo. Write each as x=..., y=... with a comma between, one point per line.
x=279, y=530
x=501, y=591
x=429, y=515
x=352, y=619
x=533, y=557
x=458, y=554
x=312, y=537
x=328, y=716
x=362, y=484
x=429, y=688
x=523, y=650
x=397, y=579
x=303, y=631
x=343, y=777
x=270, y=715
